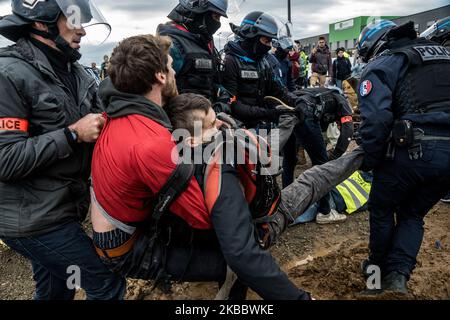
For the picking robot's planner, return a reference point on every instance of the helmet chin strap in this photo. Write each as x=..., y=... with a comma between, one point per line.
x=72, y=54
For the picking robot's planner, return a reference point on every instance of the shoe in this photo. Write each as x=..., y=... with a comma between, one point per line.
x=446, y=199
x=395, y=282
x=332, y=217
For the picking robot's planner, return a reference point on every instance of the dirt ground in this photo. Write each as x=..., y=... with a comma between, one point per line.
x=332, y=255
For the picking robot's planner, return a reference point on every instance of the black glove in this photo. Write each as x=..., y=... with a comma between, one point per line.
x=220, y=107
x=269, y=232
x=274, y=114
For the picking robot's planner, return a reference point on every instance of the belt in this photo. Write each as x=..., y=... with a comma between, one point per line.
x=419, y=135
x=119, y=251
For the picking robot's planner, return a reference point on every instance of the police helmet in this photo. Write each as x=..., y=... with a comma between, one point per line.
x=256, y=24
x=201, y=6
x=439, y=32
x=371, y=38
x=283, y=43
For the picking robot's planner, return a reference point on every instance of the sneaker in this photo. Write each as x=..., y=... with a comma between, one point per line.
x=332, y=217
x=446, y=199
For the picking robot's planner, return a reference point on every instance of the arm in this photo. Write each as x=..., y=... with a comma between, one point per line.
x=334, y=70
x=234, y=228
x=20, y=154
x=330, y=66
x=345, y=114
x=240, y=110
x=376, y=113
x=316, y=182
x=344, y=139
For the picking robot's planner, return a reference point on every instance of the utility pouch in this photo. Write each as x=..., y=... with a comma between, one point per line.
x=403, y=133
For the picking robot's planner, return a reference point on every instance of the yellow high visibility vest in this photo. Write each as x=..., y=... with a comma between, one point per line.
x=355, y=191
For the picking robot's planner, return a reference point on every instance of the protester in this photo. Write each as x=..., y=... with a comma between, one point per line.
x=322, y=66
x=342, y=68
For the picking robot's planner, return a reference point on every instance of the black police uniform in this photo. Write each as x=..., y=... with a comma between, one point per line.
x=196, y=62
x=250, y=81
x=409, y=81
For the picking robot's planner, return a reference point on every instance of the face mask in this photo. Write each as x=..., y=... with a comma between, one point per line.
x=211, y=24
x=281, y=54
x=261, y=49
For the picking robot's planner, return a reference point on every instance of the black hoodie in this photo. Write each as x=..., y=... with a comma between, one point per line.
x=119, y=104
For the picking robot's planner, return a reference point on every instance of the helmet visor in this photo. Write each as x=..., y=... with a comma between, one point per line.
x=285, y=43
x=432, y=29
x=85, y=14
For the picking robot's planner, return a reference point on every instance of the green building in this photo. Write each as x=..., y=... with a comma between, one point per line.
x=345, y=33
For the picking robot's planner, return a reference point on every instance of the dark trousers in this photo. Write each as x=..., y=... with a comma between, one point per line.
x=55, y=255
x=310, y=135
x=195, y=258
x=403, y=191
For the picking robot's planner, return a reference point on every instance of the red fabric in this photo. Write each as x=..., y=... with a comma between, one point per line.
x=132, y=161
x=294, y=58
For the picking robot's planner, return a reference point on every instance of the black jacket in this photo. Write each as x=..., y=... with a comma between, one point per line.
x=342, y=68
x=235, y=231
x=43, y=176
x=250, y=108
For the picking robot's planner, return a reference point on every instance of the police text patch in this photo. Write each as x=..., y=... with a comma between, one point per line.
x=429, y=53
x=13, y=124
x=249, y=74
x=205, y=64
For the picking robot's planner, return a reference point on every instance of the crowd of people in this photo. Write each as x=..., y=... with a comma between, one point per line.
x=121, y=143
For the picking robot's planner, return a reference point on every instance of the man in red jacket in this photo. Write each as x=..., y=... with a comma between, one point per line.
x=131, y=164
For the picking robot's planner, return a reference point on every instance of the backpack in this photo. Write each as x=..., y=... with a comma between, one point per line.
x=261, y=189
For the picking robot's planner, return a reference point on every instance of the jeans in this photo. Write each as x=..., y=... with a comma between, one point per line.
x=53, y=254
x=403, y=191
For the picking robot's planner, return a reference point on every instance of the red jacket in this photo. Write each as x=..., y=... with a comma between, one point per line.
x=132, y=161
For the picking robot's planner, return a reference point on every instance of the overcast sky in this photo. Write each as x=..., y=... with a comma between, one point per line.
x=310, y=17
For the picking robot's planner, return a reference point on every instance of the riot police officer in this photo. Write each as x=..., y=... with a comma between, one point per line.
x=322, y=107
x=196, y=60
x=404, y=97
x=281, y=65
x=248, y=76
x=49, y=118
x=440, y=32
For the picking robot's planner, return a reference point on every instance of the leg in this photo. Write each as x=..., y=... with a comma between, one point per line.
x=53, y=256
x=289, y=161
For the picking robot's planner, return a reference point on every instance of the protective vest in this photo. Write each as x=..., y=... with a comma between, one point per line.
x=199, y=69
x=355, y=192
x=252, y=80
x=426, y=85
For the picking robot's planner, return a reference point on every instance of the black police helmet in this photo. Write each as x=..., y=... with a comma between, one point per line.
x=201, y=6
x=371, y=38
x=257, y=24
x=439, y=32
x=45, y=11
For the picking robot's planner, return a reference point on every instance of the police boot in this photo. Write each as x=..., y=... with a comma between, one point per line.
x=395, y=282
